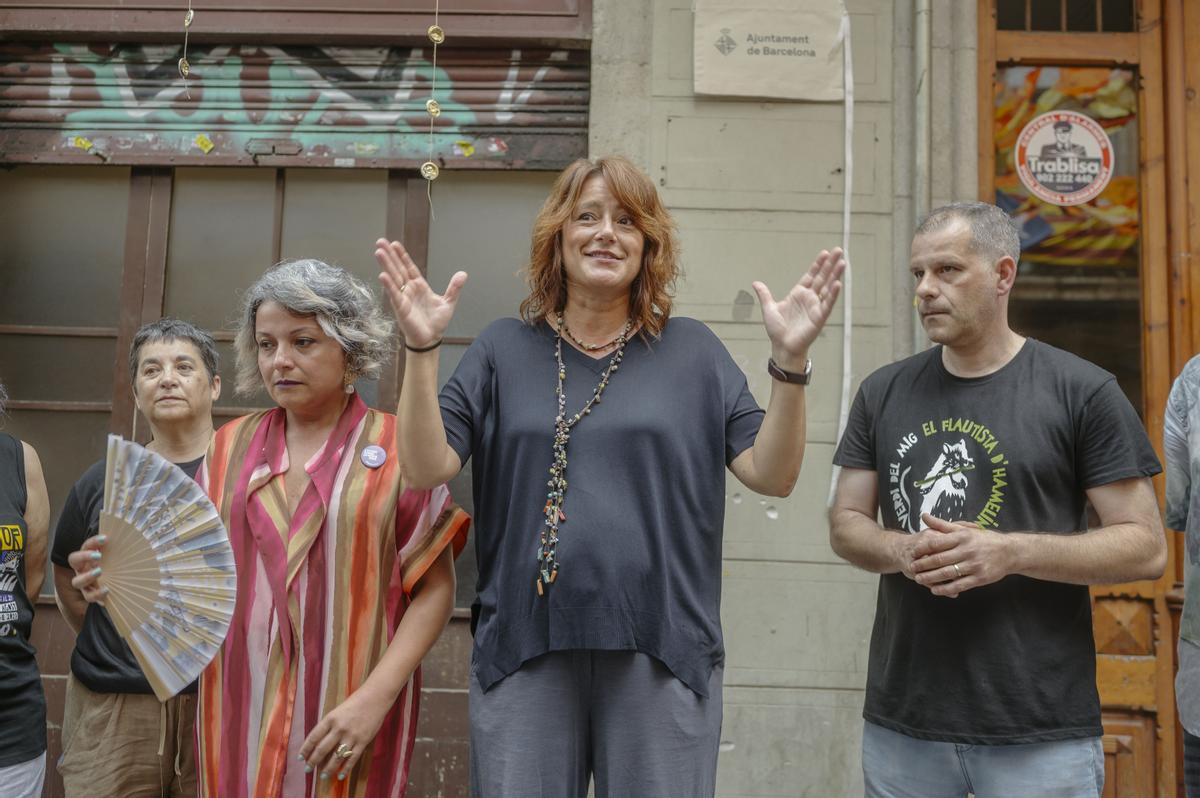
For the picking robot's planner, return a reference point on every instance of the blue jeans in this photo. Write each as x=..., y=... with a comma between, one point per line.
x=898, y=766
x=1191, y=764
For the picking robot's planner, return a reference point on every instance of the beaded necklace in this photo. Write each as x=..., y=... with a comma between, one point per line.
x=592, y=347
x=548, y=550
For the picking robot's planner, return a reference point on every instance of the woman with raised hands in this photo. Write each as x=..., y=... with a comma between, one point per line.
x=600, y=428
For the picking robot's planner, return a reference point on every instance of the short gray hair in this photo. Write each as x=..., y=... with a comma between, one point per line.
x=993, y=232
x=342, y=304
x=168, y=329
x=3, y=399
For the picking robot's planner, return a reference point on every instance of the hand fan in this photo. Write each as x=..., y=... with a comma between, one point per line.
x=168, y=566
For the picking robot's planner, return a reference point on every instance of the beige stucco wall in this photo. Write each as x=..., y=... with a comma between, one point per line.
x=756, y=188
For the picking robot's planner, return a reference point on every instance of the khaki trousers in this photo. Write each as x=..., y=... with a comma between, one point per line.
x=127, y=745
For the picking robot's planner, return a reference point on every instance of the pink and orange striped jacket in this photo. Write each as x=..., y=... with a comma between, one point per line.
x=319, y=598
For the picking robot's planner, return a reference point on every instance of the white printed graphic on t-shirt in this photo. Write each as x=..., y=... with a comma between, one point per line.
x=12, y=549
x=955, y=457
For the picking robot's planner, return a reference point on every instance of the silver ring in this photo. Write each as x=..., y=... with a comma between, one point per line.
x=957, y=572
x=403, y=286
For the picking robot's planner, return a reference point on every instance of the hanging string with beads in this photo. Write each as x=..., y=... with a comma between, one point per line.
x=429, y=169
x=185, y=68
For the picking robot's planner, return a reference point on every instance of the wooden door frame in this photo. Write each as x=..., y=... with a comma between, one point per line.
x=143, y=284
x=142, y=279
x=143, y=293
x=1168, y=318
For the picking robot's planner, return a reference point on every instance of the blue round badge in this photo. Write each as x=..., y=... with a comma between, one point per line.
x=373, y=456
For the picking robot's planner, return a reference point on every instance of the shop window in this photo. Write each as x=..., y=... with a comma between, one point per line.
x=1071, y=16
x=1078, y=284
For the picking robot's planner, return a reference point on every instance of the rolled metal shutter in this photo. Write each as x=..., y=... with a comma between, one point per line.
x=291, y=106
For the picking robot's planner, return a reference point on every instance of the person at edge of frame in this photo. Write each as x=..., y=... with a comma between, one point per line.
x=981, y=454
x=1181, y=448
x=24, y=529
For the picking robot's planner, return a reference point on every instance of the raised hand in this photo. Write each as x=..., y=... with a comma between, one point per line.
x=794, y=321
x=421, y=313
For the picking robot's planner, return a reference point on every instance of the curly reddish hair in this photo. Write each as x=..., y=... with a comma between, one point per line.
x=650, y=295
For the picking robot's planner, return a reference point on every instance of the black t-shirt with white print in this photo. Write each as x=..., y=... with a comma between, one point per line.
x=22, y=701
x=1014, y=661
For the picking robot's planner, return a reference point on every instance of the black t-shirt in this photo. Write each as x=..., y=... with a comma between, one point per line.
x=102, y=661
x=640, y=548
x=22, y=702
x=1014, y=661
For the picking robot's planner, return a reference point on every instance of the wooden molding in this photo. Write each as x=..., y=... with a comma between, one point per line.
x=1066, y=49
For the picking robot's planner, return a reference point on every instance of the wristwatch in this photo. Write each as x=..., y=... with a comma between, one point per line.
x=790, y=376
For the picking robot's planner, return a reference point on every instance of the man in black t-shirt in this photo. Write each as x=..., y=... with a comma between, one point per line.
x=117, y=738
x=980, y=455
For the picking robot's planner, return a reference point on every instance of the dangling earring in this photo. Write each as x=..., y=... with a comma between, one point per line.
x=348, y=383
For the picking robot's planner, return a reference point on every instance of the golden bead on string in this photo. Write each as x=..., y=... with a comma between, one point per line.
x=185, y=68
x=429, y=169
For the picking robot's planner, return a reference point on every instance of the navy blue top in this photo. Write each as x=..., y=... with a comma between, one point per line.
x=640, y=552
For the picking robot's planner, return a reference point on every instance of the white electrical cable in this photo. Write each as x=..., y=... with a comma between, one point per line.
x=847, y=197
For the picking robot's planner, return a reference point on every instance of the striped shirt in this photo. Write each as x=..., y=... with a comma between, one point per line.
x=320, y=595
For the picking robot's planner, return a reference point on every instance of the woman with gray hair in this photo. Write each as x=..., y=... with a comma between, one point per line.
x=24, y=527
x=345, y=576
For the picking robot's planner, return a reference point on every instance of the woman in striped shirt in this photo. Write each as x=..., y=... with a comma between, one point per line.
x=345, y=576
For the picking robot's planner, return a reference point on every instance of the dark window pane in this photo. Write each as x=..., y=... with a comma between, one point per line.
x=1010, y=14
x=222, y=224
x=1046, y=15
x=335, y=215
x=57, y=368
x=1081, y=16
x=62, y=244
x=501, y=207
x=1103, y=328
x=1118, y=15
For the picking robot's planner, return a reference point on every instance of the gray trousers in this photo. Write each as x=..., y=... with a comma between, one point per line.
x=618, y=717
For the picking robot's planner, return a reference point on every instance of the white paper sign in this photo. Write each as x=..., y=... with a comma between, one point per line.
x=769, y=49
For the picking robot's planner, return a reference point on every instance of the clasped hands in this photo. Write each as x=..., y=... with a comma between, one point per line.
x=952, y=557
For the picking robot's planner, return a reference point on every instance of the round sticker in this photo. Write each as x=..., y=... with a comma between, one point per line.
x=1064, y=157
x=373, y=456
